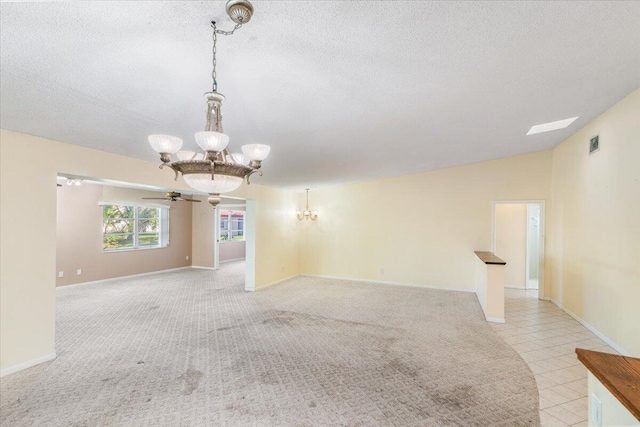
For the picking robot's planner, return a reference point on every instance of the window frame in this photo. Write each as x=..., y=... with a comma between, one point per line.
x=163, y=226
x=230, y=222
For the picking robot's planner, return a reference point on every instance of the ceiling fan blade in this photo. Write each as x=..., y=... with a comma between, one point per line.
x=155, y=198
x=189, y=200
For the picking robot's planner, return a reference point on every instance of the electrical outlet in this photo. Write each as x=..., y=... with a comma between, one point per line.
x=61, y=274
x=79, y=272
x=382, y=271
x=187, y=257
x=596, y=411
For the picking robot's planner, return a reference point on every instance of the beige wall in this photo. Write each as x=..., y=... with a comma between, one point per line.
x=232, y=250
x=203, y=233
x=422, y=228
x=28, y=214
x=511, y=242
x=595, y=238
x=79, y=236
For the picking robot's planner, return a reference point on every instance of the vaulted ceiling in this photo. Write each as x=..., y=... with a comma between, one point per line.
x=342, y=91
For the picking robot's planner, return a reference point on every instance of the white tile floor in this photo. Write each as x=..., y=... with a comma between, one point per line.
x=546, y=338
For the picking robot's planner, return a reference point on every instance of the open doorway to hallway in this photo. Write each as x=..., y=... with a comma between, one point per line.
x=234, y=237
x=518, y=238
x=231, y=241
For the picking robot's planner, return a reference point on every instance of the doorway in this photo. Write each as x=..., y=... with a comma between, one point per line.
x=518, y=238
x=234, y=236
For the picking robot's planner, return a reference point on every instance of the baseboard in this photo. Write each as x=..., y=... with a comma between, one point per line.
x=28, y=364
x=268, y=285
x=515, y=287
x=599, y=334
x=383, y=282
x=495, y=319
x=122, y=277
x=202, y=268
x=232, y=259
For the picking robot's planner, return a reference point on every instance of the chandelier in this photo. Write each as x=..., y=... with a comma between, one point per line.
x=307, y=213
x=213, y=169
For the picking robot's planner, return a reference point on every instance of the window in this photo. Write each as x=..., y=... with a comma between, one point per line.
x=134, y=227
x=231, y=226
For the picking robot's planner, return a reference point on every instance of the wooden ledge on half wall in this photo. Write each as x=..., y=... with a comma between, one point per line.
x=489, y=258
x=619, y=374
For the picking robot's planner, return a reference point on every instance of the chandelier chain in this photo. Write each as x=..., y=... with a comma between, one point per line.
x=214, y=50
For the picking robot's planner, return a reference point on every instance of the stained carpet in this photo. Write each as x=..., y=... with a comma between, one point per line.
x=191, y=348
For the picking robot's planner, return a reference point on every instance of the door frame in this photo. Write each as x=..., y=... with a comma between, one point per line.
x=249, y=236
x=541, y=252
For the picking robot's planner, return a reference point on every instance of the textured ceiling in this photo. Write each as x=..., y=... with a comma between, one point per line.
x=342, y=91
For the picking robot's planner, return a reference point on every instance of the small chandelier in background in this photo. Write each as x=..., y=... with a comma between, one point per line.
x=214, y=169
x=307, y=213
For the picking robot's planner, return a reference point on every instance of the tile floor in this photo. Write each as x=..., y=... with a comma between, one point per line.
x=546, y=338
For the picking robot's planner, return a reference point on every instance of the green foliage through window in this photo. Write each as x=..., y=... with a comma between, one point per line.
x=130, y=227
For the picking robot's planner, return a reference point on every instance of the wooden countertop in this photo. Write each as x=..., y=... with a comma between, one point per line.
x=489, y=258
x=619, y=374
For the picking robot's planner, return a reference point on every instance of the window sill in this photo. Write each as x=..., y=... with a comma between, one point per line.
x=232, y=241
x=117, y=251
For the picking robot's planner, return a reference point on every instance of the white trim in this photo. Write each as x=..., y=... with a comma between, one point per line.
x=541, y=243
x=232, y=259
x=142, y=248
x=527, y=240
x=134, y=204
x=121, y=277
x=233, y=207
x=599, y=334
x=203, y=268
x=250, y=251
x=28, y=364
x=515, y=287
x=216, y=238
x=384, y=282
x=495, y=319
x=268, y=285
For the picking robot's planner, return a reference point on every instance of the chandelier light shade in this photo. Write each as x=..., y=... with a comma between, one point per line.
x=212, y=140
x=240, y=159
x=165, y=144
x=203, y=182
x=307, y=213
x=256, y=151
x=213, y=169
x=189, y=155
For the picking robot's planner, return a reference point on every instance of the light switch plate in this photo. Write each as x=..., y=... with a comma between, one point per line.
x=596, y=411
x=79, y=272
x=61, y=274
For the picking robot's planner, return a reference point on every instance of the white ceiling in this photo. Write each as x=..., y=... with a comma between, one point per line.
x=342, y=91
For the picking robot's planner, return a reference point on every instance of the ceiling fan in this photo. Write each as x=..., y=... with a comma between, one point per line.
x=172, y=197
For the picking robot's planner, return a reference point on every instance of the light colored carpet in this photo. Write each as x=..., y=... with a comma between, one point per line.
x=191, y=348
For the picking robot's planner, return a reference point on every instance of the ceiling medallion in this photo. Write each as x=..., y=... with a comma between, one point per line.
x=213, y=169
x=307, y=213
